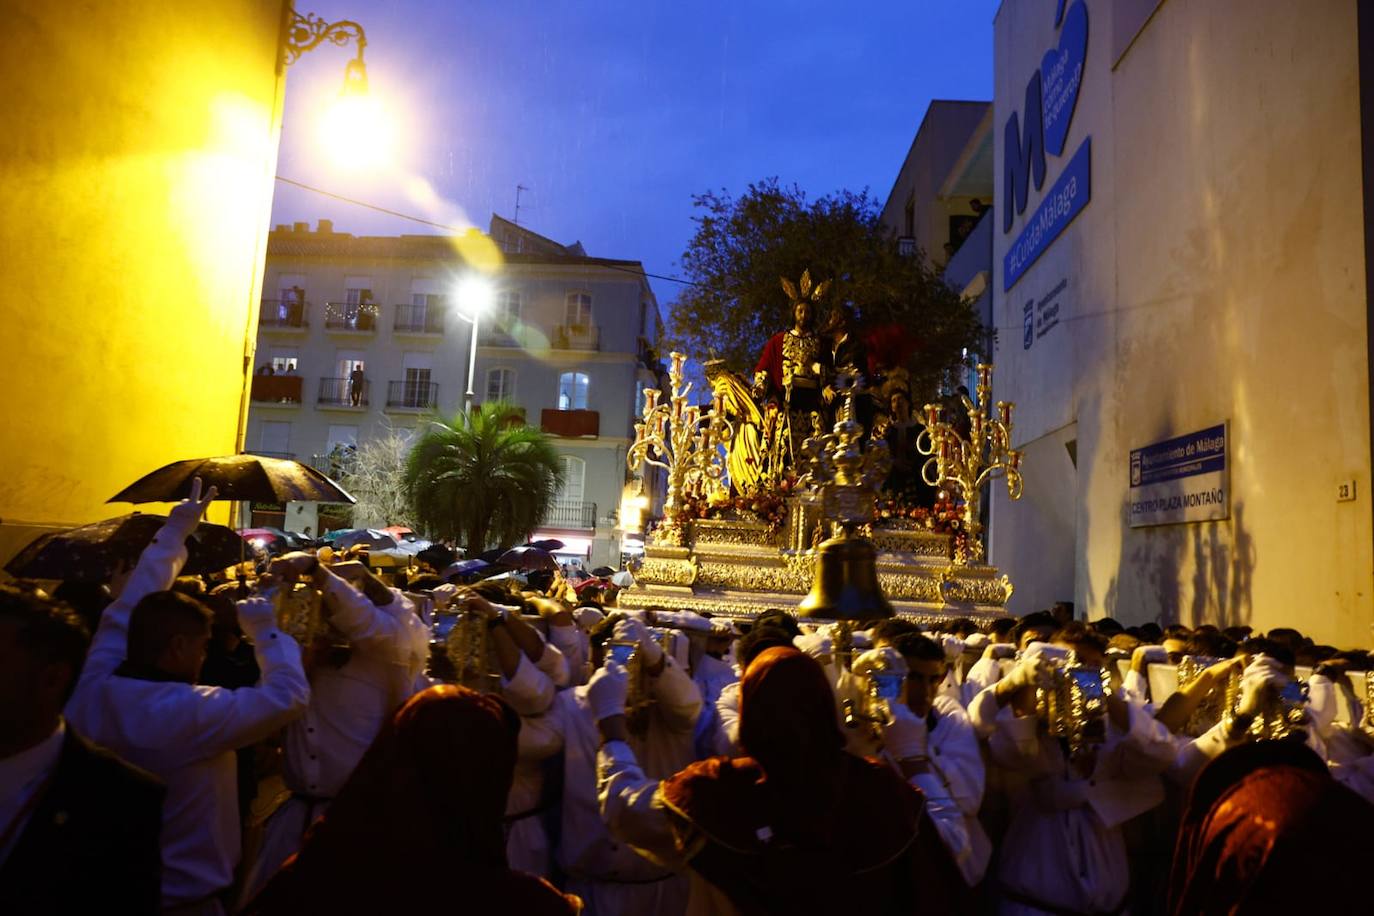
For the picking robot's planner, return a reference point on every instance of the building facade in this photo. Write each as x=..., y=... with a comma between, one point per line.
x=138, y=151
x=1181, y=310
x=363, y=335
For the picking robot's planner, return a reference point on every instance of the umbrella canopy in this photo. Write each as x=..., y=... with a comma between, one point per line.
x=623, y=579
x=238, y=477
x=528, y=559
x=585, y=584
x=604, y=571
x=92, y=553
x=463, y=567
x=400, y=532
x=547, y=544
x=491, y=556
x=370, y=538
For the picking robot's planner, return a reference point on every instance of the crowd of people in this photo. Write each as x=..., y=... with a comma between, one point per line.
x=314, y=739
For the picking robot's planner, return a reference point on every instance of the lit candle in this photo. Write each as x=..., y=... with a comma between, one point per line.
x=984, y=375
x=932, y=415
x=1004, y=411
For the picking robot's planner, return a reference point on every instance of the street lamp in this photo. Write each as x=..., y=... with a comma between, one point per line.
x=475, y=295
x=353, y=128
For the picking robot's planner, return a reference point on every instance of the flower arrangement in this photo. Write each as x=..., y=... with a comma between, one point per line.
x=942, y=518
x=765, y=506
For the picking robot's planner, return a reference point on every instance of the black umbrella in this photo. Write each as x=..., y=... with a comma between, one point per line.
x=528, y=559
x=604, y=572
x=490, y=555
x=93, y=552
x=549, y=544
x=249, y=478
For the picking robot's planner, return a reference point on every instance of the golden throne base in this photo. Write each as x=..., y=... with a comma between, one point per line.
x=734, y=568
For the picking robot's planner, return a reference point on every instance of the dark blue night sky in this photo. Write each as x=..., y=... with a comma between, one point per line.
x=613, y=114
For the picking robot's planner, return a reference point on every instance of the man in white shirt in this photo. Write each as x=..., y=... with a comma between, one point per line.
x=137, y=696
x=349, y=702
x=78, y=827
x=610, y=877
x=932, y=743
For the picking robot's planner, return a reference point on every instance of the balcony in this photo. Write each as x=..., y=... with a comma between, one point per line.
x=576, y=337
x=570, y=424
x=335, y=466
x=496, y=336
x=973, y=256
x=418, y=319
x=578, y=515
x=408, y=395
x=276, y=389
x=350, y=317
x=342, y=394
x=284, y=315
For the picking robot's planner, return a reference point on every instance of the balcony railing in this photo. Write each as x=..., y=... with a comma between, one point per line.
x=342, y=392
x=335, y=466
x=278, y=313
x=576, y=337
x=350, y=316
x=407, y=395
x=570, y=423
x=906, y=246
x=418, y=319
x=496, y=336
x=277, y=389
x=571, y=515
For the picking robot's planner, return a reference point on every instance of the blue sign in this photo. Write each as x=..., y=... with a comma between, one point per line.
x=1182, y=479
x=1028, y=325
x=1042, y=128
x=1069, y=195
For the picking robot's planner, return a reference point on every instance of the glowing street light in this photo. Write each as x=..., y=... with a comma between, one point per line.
x=475, y=295
x=354, y=129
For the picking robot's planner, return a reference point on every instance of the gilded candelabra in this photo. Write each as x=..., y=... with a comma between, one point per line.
x=966, y=463
x=675, y=436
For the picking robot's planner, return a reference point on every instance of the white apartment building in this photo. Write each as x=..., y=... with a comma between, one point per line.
x=570, y=339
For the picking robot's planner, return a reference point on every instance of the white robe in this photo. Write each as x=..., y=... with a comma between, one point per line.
x=1064, y=846
x=611, y=878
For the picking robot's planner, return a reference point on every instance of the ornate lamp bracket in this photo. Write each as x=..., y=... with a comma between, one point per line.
x=307, y=32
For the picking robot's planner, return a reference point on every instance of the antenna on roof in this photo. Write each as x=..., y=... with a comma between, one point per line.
x=518, y=189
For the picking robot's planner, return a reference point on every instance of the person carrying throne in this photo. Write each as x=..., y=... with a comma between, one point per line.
x=791, y=368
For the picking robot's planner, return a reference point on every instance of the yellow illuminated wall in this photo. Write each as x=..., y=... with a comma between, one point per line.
x=136, y=164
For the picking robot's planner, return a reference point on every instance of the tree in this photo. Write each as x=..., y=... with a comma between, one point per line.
x=376, y=479
x=742, y=247
x=482, y=479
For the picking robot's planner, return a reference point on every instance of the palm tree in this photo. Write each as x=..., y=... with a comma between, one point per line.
x=482, y=478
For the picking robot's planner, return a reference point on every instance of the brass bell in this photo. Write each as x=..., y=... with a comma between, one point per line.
x=845, y=586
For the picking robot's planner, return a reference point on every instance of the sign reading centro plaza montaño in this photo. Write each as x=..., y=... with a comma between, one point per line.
x=1051, y=97
x=1182, y=479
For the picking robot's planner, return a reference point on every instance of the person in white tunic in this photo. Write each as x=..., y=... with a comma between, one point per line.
x=1064, y=850
x=349, y=703
x=932, y=743
x=137, y=696
x=609, y=876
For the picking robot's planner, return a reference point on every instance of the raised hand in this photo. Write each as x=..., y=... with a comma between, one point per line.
x=188, y=513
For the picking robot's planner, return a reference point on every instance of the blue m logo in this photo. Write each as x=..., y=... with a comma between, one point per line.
x=1023, y=157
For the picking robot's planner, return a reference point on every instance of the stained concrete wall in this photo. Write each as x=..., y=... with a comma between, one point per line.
x=1216, y=275
x=136, y=168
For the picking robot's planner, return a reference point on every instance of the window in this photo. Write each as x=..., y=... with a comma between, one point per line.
x=347, y=361
x=507, y=311
x=342, y=437
x=274, y=437
x=572, y=391
x=500, y=384
x=574, y=480
x=284, y=361
x=577, y=312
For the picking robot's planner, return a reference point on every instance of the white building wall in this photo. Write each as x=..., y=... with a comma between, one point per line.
x=612, y=368
x=1216, y=275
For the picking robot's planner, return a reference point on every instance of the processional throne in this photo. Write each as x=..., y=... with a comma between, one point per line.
x=745, y=530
